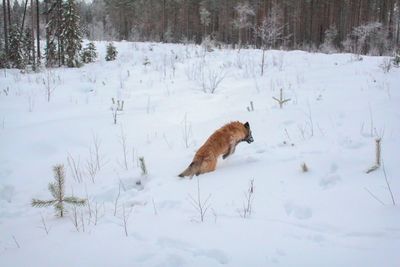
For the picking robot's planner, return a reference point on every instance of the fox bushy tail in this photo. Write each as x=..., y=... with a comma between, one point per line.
x=193, y=169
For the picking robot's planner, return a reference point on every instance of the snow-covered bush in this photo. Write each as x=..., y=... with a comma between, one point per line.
x=386, y=65
x=370, y=38
x=330, y=41
x=209, y=43
x=111, y=52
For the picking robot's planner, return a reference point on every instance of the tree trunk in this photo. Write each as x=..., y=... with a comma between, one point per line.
x=5, y=28
x=47, y=31
x=37, y=31
x=33, y=36
x=23, y=17
x=9, y=13
x=163, y=22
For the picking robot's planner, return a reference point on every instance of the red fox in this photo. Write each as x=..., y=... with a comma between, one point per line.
x=221, y=142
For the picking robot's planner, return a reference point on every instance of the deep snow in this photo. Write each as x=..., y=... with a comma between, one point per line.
x=325, y=217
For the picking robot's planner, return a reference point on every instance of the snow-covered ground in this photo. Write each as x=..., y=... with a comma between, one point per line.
x=333, y=215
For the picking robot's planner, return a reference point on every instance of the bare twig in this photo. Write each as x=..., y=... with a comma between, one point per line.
x=375, y=197
x=96, y=213
x=388, y=185
x=44, y=227
x=248, y=200
x=82, y=222
x=91, y=165
x=96, y=144
x=200, y=206
x=16, y=242
x=251, y=107
x=186, y=131
x=154, y=207
x=116, y=199
x=116, y=108
x=75, y=168
x=124, y=148
x=75, y=218
x=125, y=218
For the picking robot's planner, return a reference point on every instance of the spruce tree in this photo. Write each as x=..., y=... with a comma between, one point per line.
x=53, y=33
x=16, y=55
x=71, y=34
x=111, y=52
x=27, y=44
x=58, y=192
x=89, y=53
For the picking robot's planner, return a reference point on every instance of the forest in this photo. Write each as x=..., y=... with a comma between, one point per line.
x=358, y=26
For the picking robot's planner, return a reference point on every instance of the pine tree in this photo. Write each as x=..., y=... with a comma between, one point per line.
x=111, y=52
x=16, y=55
x=89, y=53
x=71, y=34
x=58, y=192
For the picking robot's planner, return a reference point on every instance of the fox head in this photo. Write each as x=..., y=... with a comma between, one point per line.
x=249, y=138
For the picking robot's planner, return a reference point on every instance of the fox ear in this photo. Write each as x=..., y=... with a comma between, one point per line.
x=247, y=125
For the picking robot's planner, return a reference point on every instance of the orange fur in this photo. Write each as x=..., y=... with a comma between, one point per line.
x=221, y=142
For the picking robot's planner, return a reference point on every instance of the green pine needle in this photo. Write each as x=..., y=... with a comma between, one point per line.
x=37, y=203
x=57, y=191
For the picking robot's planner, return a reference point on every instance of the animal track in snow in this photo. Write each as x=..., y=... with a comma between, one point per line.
x=329, y=181
x=297, y=211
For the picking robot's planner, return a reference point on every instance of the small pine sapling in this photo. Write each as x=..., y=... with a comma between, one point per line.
x=58, y=192
x=281, y=101
x=111, y=52
x=89, y=53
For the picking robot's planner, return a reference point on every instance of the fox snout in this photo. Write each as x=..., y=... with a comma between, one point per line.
x=249, y=139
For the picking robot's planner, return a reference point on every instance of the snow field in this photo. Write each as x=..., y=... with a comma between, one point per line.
x=324, y=217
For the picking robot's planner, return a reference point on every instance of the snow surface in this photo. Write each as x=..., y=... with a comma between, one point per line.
x=324, y=217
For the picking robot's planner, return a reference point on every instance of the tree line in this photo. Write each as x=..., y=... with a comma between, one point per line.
x=358, y=26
